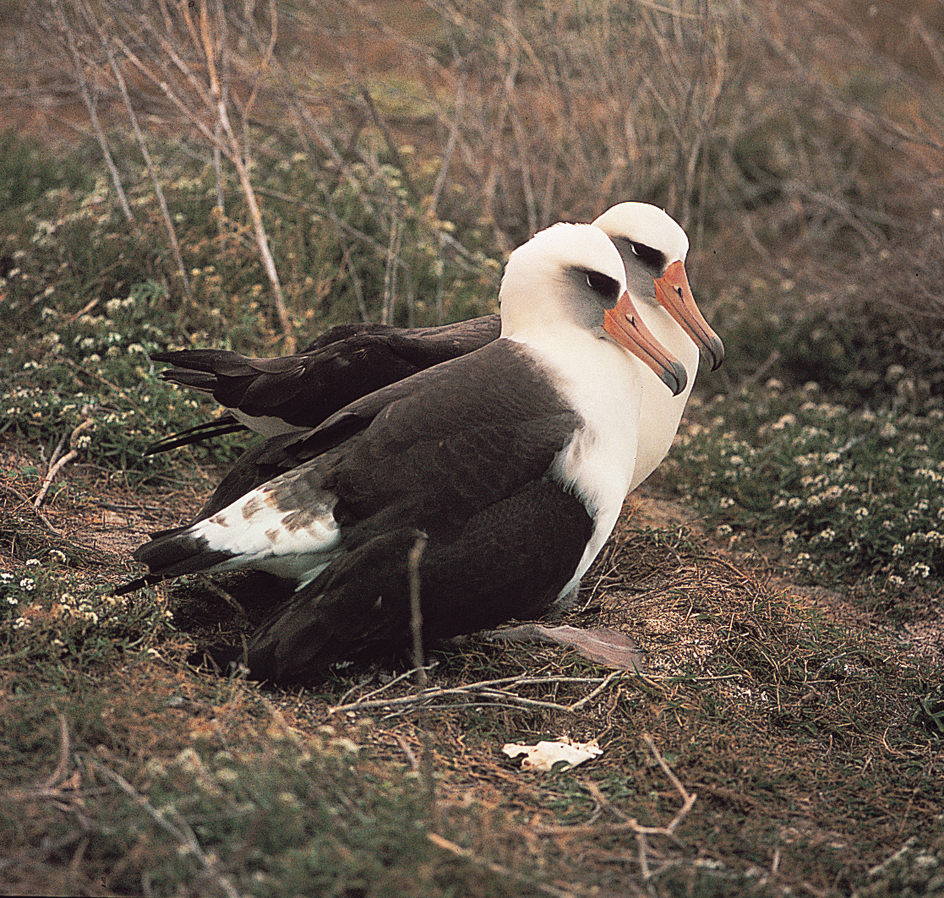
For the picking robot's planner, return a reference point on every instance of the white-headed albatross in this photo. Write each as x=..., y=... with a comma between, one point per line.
x=512, y=461
x=653, y=247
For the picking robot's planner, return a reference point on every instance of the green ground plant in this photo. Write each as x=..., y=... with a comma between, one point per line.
x=848, y=492
x=85, y=305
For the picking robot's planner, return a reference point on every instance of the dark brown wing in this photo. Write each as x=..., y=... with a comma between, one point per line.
x=300, y=391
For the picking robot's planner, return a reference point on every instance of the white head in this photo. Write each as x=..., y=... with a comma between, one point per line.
x=653, y=248
x=648, y=240
x=571, y=277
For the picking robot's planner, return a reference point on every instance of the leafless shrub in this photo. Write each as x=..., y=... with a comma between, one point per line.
x=796, y=135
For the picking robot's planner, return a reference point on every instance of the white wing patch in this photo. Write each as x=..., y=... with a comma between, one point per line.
x=296, y=543
x=266, y=425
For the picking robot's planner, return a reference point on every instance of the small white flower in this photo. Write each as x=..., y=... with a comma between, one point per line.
x=28, y=583
x=888, y=430
x=32, y=562
x=919, y=570
x=861, y=513
x=894, y=372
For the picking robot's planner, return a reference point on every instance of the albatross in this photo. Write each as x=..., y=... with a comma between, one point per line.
x=508, y=465
x=292, y=394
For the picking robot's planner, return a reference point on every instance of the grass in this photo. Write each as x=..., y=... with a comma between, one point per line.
x=783, y=572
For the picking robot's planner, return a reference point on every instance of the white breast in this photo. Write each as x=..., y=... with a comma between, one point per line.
x=660, y=412
x=600, y=381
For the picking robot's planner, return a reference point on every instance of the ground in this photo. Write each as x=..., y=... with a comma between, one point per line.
x=773, y=721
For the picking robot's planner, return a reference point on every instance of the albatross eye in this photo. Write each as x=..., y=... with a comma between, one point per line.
x=654, y=258
x=603, y=284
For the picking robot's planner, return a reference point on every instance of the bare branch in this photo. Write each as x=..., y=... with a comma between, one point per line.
x=179, y=831
x=142, y=146
x=79, y=72
x=487, y=690
x=416, y=613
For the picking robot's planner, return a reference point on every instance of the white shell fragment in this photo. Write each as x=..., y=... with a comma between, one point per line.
x=545, y=755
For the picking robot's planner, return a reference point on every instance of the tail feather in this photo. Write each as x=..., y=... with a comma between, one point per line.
x=178, y=552
x=170, y=555
x=199, y=433
x=211, y=362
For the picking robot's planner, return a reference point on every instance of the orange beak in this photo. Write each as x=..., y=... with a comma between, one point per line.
x=624, y=325
x=675, y=294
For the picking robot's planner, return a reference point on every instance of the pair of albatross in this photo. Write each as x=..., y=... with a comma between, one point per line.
x=510, y=456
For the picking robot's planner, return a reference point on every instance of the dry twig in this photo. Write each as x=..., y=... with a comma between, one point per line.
x=212, y=46
x=142, y=147
x=13, y=491
x=79, y=72
x=498, y=869
x=416, y=613
x=631, y=824
x=489, y=691
x=61, y=787
x=56, y=465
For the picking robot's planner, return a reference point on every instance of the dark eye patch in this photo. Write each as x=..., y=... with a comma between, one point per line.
x=604, y=285
x=653, y=259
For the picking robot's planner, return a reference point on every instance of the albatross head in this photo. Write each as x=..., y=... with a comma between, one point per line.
x=569, y=277
x=653, y=248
